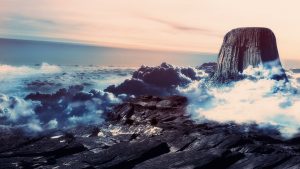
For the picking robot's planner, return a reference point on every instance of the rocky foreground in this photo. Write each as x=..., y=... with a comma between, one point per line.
x=150, y=132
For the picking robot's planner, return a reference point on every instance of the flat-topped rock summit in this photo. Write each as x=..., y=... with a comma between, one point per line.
x=247, y=46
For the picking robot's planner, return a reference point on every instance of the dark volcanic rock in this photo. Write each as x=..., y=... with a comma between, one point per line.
x=260, y=161
x=150, y=132
x=128, y=154
x=208, y=68
x=160, y=80
x=243, y=47
x=214, y=158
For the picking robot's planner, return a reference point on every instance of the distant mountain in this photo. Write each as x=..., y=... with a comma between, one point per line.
x=296, y=70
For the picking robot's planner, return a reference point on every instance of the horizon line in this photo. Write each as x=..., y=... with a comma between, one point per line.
x=94, y=44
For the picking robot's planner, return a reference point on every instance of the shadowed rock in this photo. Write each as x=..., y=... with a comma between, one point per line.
x=243, y=47
x=160, y=80
x=208, y=68
x=150, y=132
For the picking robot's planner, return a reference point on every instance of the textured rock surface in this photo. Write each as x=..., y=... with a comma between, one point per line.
x=208, y=68
x=247, y=46
x=160, y=80
x=150, y=132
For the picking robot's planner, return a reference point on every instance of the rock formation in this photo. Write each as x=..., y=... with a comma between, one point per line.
x=243, y=47
x=208, y=68
x=160, y=80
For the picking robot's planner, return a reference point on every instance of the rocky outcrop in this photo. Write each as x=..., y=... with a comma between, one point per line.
x=150, y=132
x=161, y=80
x=243, y=47
x=209, y=68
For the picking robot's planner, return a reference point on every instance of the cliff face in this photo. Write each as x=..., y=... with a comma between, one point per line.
x=243, y=47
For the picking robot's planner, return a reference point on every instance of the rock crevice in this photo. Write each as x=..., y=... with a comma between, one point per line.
x=173, y=141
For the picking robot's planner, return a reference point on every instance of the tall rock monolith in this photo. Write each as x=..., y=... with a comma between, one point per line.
x=243, y=47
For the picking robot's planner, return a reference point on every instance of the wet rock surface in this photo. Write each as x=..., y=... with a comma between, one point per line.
x=150, y=132
x=243, y=47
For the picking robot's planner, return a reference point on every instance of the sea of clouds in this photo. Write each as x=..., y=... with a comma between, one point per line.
x=45, y=97
x=256, y=99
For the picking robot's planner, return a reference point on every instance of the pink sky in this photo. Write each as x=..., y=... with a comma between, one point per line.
x=184, y=25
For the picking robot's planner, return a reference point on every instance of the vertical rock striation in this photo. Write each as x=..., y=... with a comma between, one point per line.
x=247, y=46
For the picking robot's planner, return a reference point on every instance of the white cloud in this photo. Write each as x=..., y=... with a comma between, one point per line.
x=261, y=100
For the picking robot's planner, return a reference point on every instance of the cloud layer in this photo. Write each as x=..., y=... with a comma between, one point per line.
x=45, y=97
x=63, y=109
x=255, y=99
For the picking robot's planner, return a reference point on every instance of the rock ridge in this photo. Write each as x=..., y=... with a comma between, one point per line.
x=151, y=132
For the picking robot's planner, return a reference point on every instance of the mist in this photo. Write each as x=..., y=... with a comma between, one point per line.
x=46, y=97
x=256, y=99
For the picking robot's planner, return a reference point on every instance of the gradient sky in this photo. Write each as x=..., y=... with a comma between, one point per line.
x=184, y=25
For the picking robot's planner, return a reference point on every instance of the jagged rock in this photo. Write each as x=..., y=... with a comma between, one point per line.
x=126, y=155
x=160, y=80
x=260, y=161
x=167, y=110
x=214, y=158
x=151, y=132
x=243, y=47
x=208, y=68
x=292, y=163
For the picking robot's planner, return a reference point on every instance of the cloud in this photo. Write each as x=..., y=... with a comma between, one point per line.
x=8, y=71
x=183, y=27
x=20, y=18
x=68, y=107
x=18, y=113
x=22, y=24
x=255, y=99
x=41, y=97
x=72, y=106
x=36, y=27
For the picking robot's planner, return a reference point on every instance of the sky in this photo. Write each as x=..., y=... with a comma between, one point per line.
x=175, y=25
